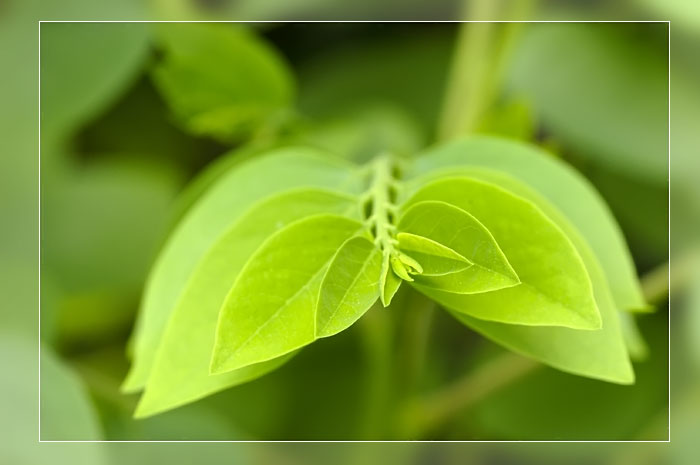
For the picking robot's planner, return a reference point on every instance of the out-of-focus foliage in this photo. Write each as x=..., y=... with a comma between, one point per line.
x=66, y=411
x=222, y=81
x=81, y=75
x=575, y=74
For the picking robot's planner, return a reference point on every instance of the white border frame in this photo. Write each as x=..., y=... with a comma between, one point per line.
x=668, y=22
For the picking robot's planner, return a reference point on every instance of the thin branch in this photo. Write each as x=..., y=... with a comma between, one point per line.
x=425, y=415
x=477, y=68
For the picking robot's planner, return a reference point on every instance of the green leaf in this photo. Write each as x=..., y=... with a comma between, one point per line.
x=561, y=185
x=350, y=287
x=221, y=80
x=435, y=258
x=212, y=214
x=459, y=231
x=555, y=288
x=84, y=66
x=180, y=372
x=271, y=309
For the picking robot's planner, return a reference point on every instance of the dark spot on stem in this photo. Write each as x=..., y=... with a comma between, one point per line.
x=367, y=208
x=392, y=194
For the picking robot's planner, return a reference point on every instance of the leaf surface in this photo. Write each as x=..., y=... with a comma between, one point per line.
x=459, y=231
x=271, y=309
x=350, y=287
x=180, y=372
x=212, y=214
x=555, y=288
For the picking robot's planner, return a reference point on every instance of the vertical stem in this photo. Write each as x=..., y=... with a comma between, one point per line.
x=477, y=67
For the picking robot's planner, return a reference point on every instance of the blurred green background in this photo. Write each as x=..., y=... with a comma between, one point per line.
x=116, y=161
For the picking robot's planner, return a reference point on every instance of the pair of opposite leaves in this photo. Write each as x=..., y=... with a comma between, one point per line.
x=301, y=259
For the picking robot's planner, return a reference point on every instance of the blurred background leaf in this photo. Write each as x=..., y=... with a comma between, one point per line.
x=81, y=76
x=220, y=80
x=66, y=410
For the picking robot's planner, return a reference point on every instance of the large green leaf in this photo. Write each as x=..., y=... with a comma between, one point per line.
x=561, y=185
x=221, y=80
x=598, y=354
x=554, y=289
x=230, y=196
x=350, y=287
x=84, y=66
x=180, y=373
x=634, y=340
x=271, y=309
x=461, y=232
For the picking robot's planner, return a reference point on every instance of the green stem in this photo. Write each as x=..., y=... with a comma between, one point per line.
x=477, y=69
x=379, y=195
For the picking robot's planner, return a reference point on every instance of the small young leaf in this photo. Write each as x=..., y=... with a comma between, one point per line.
x=555, y=288
x=225, y=201
x=435, y=258
x=350, y=287
x=389, y=283
x=221, y=80
x=411, y=265
x=399, y=268
x=180, y=372
x=271, y=309
x=457, y=230
x=561, y=185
